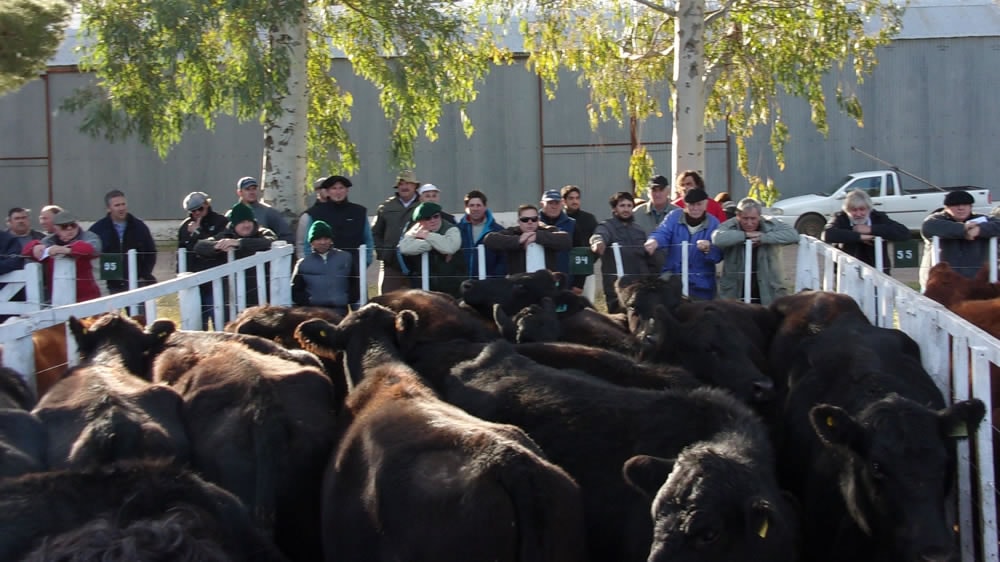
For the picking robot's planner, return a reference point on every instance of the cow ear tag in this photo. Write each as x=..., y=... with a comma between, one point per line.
x=959, y=430
x=762, y=532
x=561, y=308
x=829, y=421
x=322, y=333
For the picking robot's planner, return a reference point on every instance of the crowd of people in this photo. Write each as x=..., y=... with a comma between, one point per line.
x=411, y=223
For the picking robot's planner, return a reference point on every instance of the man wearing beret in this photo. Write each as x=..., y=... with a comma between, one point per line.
x=964, y=236
x=321, y=278
x=245, y=237
x=349, y=223
x=202, y=222
x=441, y=240
x=694, y=225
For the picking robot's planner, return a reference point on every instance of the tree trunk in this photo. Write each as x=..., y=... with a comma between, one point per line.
x=283, y=177
x=689, y=88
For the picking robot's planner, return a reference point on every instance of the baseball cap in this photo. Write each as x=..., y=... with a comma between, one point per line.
x=245, y=182
x=427, y=187
x=551, y=195
x=194, y=200
x=407, y=176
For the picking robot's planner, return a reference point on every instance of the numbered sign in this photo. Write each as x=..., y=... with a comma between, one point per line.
x=112, y=267
x=581, y=261
x=906, y=253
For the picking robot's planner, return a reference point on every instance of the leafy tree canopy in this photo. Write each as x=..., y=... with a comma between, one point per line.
x=163, y=66
x=753, y=50
x=30, y=33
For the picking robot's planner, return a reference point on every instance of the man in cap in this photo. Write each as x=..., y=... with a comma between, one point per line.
x=650, y=214
x=266, y=216
x=441, y=240
x=585, y=223
x=694, y=225
x=430, y=192
x=392, y=215
x=964, y=236
x=690, y=179
x=552, y=214
x=69, y=240
x=19, y=225
x=202, y=222
x=120, y=232
x=245, y=237
x=322, y=277
x=349, y=223
x=322, y=194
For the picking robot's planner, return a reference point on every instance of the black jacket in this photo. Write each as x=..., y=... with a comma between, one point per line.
x=136, y=236
x=839, y=233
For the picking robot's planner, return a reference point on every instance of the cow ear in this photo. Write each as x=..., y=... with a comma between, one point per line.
x=760, y=517
x=962, y=418
x=406, y=330
x=320, y=337
x=560, y=279
x=162, y=329
x=834, y=426
x=504, y=324
x=78, y=330
x=647, y=474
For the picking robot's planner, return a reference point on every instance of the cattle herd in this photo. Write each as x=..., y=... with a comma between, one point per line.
x=517, y=423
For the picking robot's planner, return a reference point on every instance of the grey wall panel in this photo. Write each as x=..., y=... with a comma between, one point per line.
x=22, y=118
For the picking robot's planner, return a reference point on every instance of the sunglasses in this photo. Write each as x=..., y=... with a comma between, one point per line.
x=67, y=226
x=201, y=209
x=528, y=219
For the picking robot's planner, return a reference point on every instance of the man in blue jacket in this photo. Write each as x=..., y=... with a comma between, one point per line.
x=474, y=226
x=694, y=225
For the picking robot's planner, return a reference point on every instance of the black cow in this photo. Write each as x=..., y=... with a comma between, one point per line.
x=587, y=426
x=718, y=500
x=278, y=323
x=260, y=426
x=23, y=439
x=418, y=479
x=568, y=318
x=868, y=442
x=712, y=348
x=513, y=292
x=444, y=318
x=100, y=412
x=36, y=508
x=639, y=297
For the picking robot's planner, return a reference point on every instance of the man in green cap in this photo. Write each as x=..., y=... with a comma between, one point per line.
x=244, y=236
x=432, y=235
x=321, y=277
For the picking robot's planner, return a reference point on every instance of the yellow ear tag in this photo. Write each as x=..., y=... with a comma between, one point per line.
x=85, y=330
x=322, y=333
x=762, y=533
x=829, y=421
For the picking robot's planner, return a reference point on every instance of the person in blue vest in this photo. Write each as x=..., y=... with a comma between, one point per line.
x=349, y=223
x=321, y=278
x=694, y=225
x=475, y=225
x=552, y=214
x=120, y=231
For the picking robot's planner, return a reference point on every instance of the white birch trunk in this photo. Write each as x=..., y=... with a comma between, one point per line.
x=283, y=177
x=689, y=88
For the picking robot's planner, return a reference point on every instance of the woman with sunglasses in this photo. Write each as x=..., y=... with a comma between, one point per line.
x=513, y=240
x=201, y=223
x=68, y=240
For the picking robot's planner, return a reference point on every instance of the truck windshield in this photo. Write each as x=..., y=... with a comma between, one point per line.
x=833, y=188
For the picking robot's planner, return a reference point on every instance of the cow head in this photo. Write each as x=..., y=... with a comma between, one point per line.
x=367, y=336
x=949, y=287
x=640, y=296
x=711, y=503
x=513, y=292
x=711, y=348
x=898, y=461
x=115, y=336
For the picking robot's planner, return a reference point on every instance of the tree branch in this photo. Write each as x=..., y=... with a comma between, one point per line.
x=721, y=12
x=658, y=7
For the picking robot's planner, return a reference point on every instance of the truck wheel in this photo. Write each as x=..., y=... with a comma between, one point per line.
x=811, y=225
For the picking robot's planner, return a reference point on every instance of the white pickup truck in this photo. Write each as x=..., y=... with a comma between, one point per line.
x=809, y=213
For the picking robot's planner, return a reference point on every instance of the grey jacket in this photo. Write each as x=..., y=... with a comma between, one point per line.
x=630, y=237
x=770, y=272
x=964, y=256
x=648, y=220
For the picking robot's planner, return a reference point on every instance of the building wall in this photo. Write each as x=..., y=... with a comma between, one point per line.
x=929, y=108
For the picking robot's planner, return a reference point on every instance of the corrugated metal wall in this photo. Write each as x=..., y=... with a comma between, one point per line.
x=930, y=108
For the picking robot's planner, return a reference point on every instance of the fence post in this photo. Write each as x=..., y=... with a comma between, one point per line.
x=363, y=274
x=984, y=444
x=63, y=280
x=534, y=257
x=133, y=277
x=425, y=271
x=190, y=306
x=281, y=277
x=747, y=270
x=685, y=283
x=182, y=260
x=34, y=289
x=481, y=260
x=19, y=355
x=879, y=258
x=616, y=250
